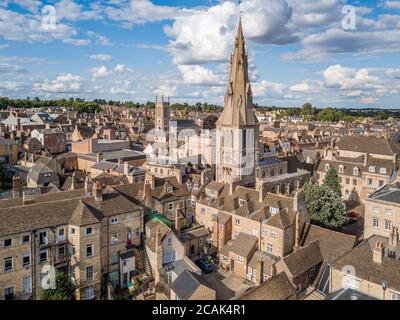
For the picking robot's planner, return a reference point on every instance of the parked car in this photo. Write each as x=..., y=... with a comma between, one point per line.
x=204, y=265
x=351, y=217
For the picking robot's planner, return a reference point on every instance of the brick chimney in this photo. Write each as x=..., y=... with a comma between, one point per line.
x=99, y=156
x=126, y=168
x=150, y=179
x=27, y=199
x=378, y=252
x=259, y=271
x=16, y=186
x=177, y=219
x=262, y=192
x=146, y=198
x=297, y=231
x=394, y=236
x=87, y=190
x=273, y=270
x=159, y=254
x=232, y=186
x=178, y=175
x=98, y=191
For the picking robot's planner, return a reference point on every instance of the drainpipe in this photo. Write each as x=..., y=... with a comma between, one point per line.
x=33, y=258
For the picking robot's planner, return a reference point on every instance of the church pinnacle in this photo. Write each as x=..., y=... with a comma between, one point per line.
x=238, y=102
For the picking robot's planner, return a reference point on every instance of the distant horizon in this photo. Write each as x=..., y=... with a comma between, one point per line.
x=337, y=53
x=213, y=104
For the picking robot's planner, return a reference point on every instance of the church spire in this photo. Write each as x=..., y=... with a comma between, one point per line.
x=238, y=98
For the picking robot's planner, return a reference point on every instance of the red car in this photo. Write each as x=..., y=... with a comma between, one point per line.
x=351, y=217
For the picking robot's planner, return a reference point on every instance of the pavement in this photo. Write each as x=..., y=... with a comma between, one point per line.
x=226, y=285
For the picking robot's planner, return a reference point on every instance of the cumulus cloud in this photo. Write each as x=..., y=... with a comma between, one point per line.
x=392, y=4
x=207, y=35
x=64, y=83
x=99, y=38
x=305, y=86
x=199, y=76
x=10, y=69
x=141, y=11
x=30, y=5
x=70, y=10
x=337, y=76
x=103, y=71
x=265, y=88
x=101, y=57
x=167, y=89
x=99, y=72
x=77, y=42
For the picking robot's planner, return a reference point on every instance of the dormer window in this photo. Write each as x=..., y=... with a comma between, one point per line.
x=355, y=171
x=382, y=170
x=327, y=167
x=170, y=189
x=242, y=202
x=371, y=169
x=341, y=169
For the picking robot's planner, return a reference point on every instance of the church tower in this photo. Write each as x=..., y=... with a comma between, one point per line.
x=162, y=115
x=237, y=127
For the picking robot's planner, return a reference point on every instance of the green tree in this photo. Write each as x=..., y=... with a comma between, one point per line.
x=325, y=207
x=64, y=290
x=332, y=181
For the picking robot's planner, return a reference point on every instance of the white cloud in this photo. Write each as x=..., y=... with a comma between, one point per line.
x=99, y=72
x=69, y=10
x=77, y=42
x=265, y=87
x=103, y=71
x=208, y=35
x=26, y=27
x=122, y=69
x=141, y=11
x=30, y=5
x=10, y=69
x=64, y=83
x=303, y=87
x=101, y=57
x=199, y=75
x=4, y=46
x=392, y=4
x=337, y=76
x=99, y=38
x=167, y=89
x=123, y=88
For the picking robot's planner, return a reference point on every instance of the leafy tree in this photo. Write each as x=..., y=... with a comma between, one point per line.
x=64, y=290
x=325, y=207
x=332, y=181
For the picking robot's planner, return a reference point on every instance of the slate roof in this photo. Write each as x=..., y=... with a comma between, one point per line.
x=332, y=244
x=275, y=288
x=242, y=245
x=188, y=285
x=365, y=144
x=58, y=208
x=303, y=259
x=361, y=259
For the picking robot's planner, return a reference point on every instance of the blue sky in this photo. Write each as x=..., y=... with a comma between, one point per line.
x=136, y=49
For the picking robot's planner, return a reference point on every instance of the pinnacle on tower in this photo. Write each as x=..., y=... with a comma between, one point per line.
x=238, y=105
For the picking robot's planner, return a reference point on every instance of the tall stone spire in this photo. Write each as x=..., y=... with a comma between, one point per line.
x=238, y=102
